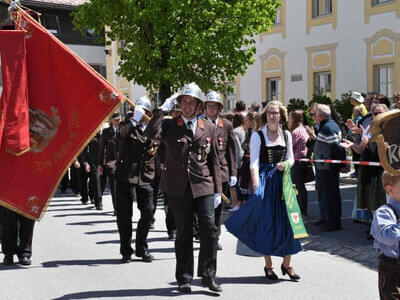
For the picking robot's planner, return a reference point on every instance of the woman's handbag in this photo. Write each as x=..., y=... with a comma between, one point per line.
x=309, y=172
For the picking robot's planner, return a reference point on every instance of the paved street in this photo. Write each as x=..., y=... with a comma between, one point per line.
x=76, y=256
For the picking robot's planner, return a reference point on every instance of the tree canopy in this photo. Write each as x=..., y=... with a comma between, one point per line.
x=172, y=42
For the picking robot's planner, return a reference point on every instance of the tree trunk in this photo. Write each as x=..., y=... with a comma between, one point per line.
x=164, y=92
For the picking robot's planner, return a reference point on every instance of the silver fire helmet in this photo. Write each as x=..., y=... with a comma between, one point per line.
x=191, y=89
x=144, y=102
x=214, y=97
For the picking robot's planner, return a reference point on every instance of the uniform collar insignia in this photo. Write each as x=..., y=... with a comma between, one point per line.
x=179, y=121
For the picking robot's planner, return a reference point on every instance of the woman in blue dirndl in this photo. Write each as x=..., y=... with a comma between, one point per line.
x=262, y=222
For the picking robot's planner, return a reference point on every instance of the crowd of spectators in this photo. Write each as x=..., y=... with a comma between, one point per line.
x=325, y=138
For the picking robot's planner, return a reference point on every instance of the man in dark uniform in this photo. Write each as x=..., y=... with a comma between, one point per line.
x=226, y=149
x=192, y=179
x=89, y=161
x=108, y=152
x=135, y=170
x=16, y=237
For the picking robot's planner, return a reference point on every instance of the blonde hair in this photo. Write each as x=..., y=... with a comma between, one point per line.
x=389, y=179
x=282, y=111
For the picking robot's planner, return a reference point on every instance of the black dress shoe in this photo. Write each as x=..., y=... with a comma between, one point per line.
x=146, y=257
x=270, y=274
x=8, y=260
x=99, y=207
x=219, y=247
x=25, y=261
x=172, y=236
x=184, y=288
x=287, y=271
x=211, y=284
x=126, y=259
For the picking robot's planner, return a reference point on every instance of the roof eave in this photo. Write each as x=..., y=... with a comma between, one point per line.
x=48, y=5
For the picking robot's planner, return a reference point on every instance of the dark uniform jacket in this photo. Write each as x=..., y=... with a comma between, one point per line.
x=226, y=149
x=188, y=160
x=91, y=152
x=108, y=150
x=135, y=163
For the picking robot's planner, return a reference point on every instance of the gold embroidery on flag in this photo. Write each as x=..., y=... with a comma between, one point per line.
x=42, y=128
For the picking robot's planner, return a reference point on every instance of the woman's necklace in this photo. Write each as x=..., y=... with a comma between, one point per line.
x=272, y=134
x=272, y=131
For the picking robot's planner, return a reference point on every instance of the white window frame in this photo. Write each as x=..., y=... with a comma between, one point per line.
x=274, y=93
x=322, y=87
x=316, y=11
x=230, y=96
x=384, y=79
x=278, y=17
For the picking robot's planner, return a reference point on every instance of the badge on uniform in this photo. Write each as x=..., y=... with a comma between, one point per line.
x=220, y=144
x=208, y=146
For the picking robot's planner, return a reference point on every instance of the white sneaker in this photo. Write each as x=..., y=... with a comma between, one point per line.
x=234, y=208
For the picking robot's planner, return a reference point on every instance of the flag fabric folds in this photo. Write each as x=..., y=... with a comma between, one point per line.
x=68, y=102
x=14, y=120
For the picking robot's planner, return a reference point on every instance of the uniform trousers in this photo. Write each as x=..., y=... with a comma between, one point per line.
x=109, y=174
x=183, y=209
x=169, y=214
x=76, y=180
x=17, y=234
x=389, y=278
x=330, y=198
x=94, y=191
x=124, y=205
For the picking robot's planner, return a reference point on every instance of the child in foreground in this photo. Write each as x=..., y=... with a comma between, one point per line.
x=385, y=228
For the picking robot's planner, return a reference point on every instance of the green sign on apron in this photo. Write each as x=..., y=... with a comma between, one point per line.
x=292, y=206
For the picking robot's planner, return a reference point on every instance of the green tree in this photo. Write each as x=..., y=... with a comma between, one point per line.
x=172, y=42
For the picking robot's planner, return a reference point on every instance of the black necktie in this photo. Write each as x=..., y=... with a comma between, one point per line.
x=189, y=125
x=213, y=122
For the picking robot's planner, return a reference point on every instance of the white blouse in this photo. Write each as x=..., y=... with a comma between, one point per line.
x=255, y=144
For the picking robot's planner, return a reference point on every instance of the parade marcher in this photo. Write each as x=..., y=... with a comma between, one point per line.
x=385, y=229
x=160, y=158
x=135, y=170
x=76, y=178
x=17, y=233
x=328, y=146
x=262, y=222
x=108, y=154
x=89, y=161
x=192, y=179
x=226, y=149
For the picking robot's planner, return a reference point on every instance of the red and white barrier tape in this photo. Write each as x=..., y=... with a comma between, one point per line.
x=332, y=161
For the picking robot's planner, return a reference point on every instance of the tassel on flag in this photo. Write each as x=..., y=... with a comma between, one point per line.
x=68, y=102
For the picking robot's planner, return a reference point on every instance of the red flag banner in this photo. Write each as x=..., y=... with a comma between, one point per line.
x=68, y=101
x=14, y=120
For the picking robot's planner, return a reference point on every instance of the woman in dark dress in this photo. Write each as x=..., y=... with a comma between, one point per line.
x=262, y=223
